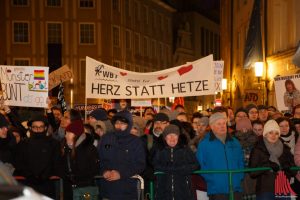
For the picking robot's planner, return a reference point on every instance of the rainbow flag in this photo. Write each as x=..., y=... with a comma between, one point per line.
x=39, y=75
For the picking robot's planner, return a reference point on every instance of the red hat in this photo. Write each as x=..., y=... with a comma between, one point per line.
x=76, y=127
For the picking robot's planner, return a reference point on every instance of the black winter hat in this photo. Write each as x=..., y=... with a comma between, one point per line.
x=171, y=129
x=3, y=121
x=37, y=118
x=99, y=114
x=161, y=117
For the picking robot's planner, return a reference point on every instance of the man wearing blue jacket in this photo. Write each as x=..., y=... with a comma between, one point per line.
x=122, y=155
x=219, y=151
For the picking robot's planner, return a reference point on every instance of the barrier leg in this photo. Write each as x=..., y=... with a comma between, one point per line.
x=151, y=190
x=231, y=194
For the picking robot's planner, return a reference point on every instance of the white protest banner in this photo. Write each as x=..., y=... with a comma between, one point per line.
x=105, y=81
x=287, y=93
x=219, y=67
x=24, y=85
x=218, y=73
x=63, y=74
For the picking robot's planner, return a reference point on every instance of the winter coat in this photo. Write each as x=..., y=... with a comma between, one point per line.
x=84, y=166
x=177, y=163
x=7, y=148
x=125, y=153
x=80, y=170
x=297, y=156
x=212, y=154
x=260, y=158
x=38, y=158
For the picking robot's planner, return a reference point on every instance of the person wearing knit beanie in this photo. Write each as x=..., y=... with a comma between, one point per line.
x=270, y=126
x=215, y=117
x=171, y=129
x=171, y=135
x=76, y=127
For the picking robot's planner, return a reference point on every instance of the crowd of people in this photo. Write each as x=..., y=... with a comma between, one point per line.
x=118, y=144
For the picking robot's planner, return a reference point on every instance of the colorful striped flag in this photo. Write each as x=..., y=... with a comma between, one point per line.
x=39, y=75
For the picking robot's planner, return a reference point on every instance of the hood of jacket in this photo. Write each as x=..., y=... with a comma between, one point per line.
x=121, y=116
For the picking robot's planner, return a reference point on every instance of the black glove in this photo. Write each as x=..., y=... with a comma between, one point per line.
x=275, y=167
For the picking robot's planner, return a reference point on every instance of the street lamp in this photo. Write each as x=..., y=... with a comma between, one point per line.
x=259, y=69
x=224, y=84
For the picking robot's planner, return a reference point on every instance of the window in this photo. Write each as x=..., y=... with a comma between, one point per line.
x=20, y=2
x=81, y=71
x=145, y=46
x=21, y=32
x=54, y=33
x=116, y=63
x=21, y=62
x=87, y=34
x=158, y=21
x=127, y=39
x=145, y=17
x=137, y=43
x=116, y=36
x=116, y=5
x=127, y=8
x=86, y=3
x=202, y=41
x=153, y=49
x=54, y=3
x=136, y=11
x=128, y=66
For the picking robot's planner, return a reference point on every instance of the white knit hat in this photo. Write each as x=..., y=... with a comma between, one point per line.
x=271, y=125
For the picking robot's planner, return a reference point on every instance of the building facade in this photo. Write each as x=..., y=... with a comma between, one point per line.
x=280, y=35
x=130, y=34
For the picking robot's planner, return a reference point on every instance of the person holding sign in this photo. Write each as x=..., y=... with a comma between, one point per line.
x=291, y=96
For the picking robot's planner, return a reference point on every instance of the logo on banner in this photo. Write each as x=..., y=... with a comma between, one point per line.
x=105, y=74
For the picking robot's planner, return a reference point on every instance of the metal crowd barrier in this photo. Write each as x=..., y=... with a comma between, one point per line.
x=140, y=185
x=230, y=172
x=58, y=185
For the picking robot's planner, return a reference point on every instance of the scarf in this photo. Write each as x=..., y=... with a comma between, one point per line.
x=289, y=140
x=246, y=139
x=275, y=150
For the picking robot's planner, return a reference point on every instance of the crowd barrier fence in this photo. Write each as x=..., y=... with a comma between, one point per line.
x=230, y=172
x=59, y=186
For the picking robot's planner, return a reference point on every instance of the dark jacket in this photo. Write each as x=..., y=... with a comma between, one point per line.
x=84, y=166
x=38, y=158
x=260, y=158
x=7, y=148
x=81, y=168
x=124, y=153
x=177, y=163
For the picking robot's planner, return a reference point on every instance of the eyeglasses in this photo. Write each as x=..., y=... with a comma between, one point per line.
x=38, y=128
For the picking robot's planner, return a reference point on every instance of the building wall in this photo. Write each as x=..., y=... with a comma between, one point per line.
x=280, y=32
x=202, y=38
x=150, y=21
